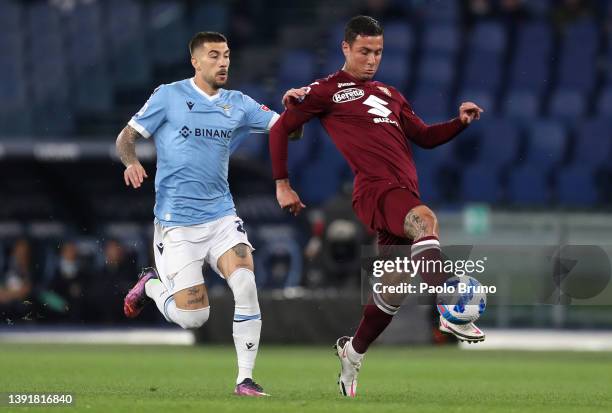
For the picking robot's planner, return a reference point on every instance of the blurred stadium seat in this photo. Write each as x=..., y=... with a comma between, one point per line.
x=530, y=68
x=577, y=69
x=547, y=143
x=528, y=186
x=523, y=106
x=593, y=144
x=576, y=186
x=567, y=105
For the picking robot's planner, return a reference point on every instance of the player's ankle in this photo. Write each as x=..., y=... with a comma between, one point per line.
x=244, y=373
x=352, y=354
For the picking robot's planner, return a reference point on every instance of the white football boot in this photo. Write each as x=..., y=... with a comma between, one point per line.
x=347, y=379
x=464, y=332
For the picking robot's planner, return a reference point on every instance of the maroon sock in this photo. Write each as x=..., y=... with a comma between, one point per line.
x=427, y=251
x=376, y=317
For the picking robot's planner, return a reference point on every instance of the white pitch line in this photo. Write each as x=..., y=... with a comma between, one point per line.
x=115, y=336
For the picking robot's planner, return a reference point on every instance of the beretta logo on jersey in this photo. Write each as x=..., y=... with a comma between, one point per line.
x=348, y=95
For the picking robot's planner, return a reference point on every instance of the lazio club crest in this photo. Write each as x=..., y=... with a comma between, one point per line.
x=225, y=108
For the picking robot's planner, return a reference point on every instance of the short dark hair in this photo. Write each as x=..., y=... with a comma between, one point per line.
x=361, y=25
x=205, y=37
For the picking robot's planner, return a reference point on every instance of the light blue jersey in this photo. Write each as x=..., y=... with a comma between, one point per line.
x=194, y=135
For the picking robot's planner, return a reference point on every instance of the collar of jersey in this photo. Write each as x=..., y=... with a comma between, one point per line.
x=350, y=77
x=206, y=95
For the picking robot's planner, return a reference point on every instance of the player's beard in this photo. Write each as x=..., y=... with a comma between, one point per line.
x=219, y=83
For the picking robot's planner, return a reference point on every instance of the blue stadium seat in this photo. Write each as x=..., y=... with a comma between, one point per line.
x=486, y=48
x=256, y=91
x=593, y=142
x=12, y=46
x=335, y=35
x=42, y=17
x=53, y=121
x=10, y=16
x=488, y=37
x=297, y=67
x=394, y=70
x=547, y=143
x=132, y=75
x=333, y=62
x=168, y=32
x=124, y=23
x=429, y=186
x=430, y=105
x=398, y=37
x=483, y=70
x=604, y=106
x=521, y=105
x=12, y=88
x=577, y=68
x=439, y=11
x=528, y=185
x=436, y=71
x=318, y=182
x=14, y=121
x=481, y=183
x=539, y=8
x=45, y=92
x=210, y=16
x=436, y=157
x=253, y=146
x=441, y=39
x=576, y=186
x=86, y=43
x=302, y=151
x=499, y=143
x=531, y=64
x=94, y=92
x=567, y=104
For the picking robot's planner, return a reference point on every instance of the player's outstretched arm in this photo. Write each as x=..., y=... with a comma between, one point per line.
x=290, y=98
x=279, y=139
x=430, y=136
x=134, y=173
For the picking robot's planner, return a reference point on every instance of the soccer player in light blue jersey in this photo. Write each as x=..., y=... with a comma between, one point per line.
x=196, y=124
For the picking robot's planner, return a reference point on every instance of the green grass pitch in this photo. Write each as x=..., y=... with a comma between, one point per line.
x=393, y=379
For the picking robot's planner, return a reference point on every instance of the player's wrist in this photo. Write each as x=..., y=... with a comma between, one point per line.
x=283, y=183
x=131, y=164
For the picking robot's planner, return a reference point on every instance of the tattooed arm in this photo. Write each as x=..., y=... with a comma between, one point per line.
x=134, y=173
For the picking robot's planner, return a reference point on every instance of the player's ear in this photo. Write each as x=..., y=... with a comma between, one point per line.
x=195, y=63
x=345, y=48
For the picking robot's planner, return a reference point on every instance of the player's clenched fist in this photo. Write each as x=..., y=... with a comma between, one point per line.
x=134, y=175
x=469, y=111
x=287, y=198
x=293, y=95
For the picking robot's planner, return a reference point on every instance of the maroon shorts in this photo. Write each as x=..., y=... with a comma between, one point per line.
x=384, y=211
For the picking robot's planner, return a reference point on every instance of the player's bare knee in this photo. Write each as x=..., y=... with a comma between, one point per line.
x=420, y=222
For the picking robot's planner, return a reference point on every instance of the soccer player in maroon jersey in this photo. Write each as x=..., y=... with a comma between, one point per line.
x=372, y=124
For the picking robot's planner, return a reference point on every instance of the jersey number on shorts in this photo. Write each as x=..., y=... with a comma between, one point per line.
x=239, y=226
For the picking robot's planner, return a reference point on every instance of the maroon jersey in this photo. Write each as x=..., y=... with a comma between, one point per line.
x=370, y=123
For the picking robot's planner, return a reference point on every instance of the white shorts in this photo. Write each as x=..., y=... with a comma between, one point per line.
x=180, y=252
